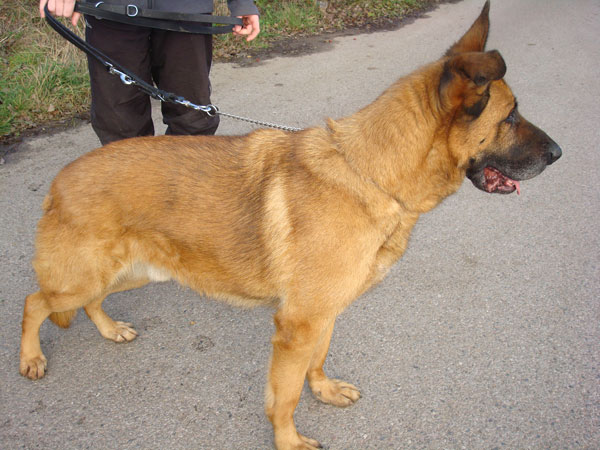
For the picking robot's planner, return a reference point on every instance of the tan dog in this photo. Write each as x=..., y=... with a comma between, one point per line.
x=304, y=221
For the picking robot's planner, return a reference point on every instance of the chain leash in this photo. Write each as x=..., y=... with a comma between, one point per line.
x=212, y=110
x=258, y=122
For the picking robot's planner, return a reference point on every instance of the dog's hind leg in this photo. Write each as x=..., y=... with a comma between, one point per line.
x=74, y=269
x=33, y=361
x=109, y=328
x=61, y=308
x=328, y=390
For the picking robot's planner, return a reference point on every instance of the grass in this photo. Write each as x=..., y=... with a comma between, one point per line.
x=43, y=79
x=279, y=19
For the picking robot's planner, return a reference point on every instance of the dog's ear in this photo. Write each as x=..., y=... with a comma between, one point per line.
x=477, y=67
x=466, y=78
x=474, y=40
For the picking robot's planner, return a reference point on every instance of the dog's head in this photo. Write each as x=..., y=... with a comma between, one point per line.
x=490, y=140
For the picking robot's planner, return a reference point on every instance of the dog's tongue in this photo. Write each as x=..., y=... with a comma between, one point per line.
x=515, y=183
x=497, y=181
x=518, y=186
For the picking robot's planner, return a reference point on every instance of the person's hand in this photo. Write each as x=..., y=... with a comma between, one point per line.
x=61, y=8
x=250, y=27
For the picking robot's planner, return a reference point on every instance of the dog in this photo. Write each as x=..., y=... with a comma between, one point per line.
x=305, y=221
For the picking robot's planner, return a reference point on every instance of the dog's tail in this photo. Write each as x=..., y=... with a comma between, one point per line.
x=47, y=203
x=63, y=319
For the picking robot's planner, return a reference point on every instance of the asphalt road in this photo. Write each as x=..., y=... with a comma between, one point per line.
x=485, y=335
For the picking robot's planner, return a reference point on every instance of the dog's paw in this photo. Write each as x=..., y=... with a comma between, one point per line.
x=335, y=392
x=121, y=332
x=33, y=368
x=300, y=443
x=308, y=444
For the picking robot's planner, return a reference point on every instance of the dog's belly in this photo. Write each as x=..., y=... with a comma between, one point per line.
x=153, y=273
x=254, y=294
x=142, y=271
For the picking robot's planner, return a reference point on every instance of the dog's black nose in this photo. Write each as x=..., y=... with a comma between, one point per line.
x=553, y=152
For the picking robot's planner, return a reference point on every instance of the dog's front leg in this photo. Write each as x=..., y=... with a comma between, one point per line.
x=335, y=392
x=297, y=335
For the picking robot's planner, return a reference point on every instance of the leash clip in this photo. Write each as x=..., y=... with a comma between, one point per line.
x=125, y=79
x=210, y=110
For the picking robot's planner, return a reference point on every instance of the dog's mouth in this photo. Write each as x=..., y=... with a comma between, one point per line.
x=496, y=181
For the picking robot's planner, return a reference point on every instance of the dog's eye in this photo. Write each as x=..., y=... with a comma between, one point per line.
x=511, y=117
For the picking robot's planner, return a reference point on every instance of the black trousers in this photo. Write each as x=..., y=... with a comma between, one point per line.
x=175, y=62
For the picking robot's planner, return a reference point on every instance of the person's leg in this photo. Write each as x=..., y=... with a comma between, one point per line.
x=181, y=65
x=119, y=111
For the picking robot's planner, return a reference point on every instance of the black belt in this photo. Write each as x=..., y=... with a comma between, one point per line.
x=152, y=18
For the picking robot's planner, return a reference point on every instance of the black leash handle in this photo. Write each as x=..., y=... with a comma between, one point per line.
x=112, y=66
